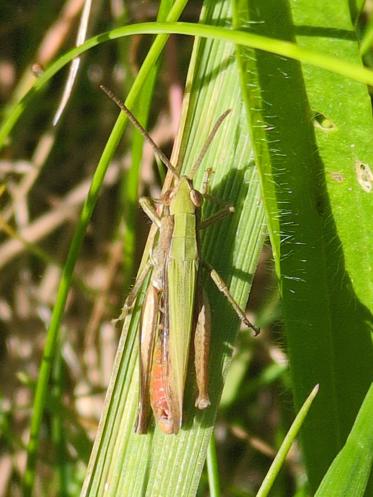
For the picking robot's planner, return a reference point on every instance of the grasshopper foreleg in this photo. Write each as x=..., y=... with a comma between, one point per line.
x=131, y=297
x=130, y=300
x=218, y=216
x=148, y=208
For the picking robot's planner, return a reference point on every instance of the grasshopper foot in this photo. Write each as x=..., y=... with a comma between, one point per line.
x=249, y=324
x=202, y=402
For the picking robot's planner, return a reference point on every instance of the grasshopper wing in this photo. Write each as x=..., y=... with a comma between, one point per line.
x=148, y=332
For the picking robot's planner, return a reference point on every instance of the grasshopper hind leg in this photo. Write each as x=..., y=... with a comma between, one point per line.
x=202, y=349
x=223, y=288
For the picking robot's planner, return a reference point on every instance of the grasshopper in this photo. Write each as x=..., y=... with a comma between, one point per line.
x=175, y=308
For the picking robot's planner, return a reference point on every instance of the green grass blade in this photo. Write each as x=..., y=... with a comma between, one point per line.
x=58, y=435
x=348, y=474
x=212, y=468
x=123, y=463
x=286, y=445
x=312, y=132
x=276, y=46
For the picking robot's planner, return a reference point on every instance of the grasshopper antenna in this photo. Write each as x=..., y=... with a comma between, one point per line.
x=208, y=143
x=158, y=152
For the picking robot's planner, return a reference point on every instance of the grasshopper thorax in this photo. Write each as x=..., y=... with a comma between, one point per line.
x=184, y=198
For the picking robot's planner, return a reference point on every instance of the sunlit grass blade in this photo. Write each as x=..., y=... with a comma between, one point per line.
x=312, y=135
x=349, y=472
x=277, y=46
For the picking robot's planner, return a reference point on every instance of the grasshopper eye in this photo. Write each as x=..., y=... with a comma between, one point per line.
x=196, y=197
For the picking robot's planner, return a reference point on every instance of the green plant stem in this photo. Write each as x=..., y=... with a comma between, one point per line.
x=286, y=444
x=279, y=47
x=212, y=468
x=89, y=204
x=58, y=433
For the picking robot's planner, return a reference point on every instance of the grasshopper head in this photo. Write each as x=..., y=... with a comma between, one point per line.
x=184, y=198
